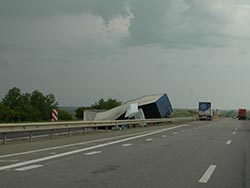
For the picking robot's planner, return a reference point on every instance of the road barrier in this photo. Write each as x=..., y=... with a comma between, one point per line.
x=30, y=128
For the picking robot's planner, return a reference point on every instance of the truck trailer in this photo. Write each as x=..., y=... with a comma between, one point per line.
x=242, y=114
x=205, y=111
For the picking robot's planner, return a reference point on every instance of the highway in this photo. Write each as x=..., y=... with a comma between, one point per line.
x=204, y=154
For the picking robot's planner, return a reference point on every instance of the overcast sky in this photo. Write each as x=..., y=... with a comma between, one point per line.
x=84, y=50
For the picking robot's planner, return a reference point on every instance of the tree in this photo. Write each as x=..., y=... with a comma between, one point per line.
x=6, y=114
x=79, y=113
x=13, y=98
x=106, y=105
x=43, y=104
x=12, y=103
x=64, y=116
x=16, y=106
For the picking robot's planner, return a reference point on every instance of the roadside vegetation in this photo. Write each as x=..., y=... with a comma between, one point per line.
x=29, y=107
x=37, y=107
x=184, y=113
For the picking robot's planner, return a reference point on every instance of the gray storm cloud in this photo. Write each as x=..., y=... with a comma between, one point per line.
x=47, y=8
x=183, y=23
x=168, y=22
x=126, y=48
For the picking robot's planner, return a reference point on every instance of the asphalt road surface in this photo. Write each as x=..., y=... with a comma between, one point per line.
x=195, y=155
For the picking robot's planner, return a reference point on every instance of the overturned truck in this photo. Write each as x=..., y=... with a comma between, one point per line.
x=147, y=107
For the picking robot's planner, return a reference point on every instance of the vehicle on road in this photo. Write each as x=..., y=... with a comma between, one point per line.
x=205, y=111
x=242, y=114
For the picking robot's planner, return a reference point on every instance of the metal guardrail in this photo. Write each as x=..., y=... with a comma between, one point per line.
x=5, y=129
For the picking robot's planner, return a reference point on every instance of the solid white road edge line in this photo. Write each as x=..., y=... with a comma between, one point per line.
x=28, y=167
x=85, y=149
x=229, y=141
x=206, y=176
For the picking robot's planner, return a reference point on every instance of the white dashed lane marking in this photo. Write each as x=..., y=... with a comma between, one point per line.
x=149, y=139
x=229, y=142
x=28, y=167
x=206, y=176
x=126, y=145
x=92, y=153
x=234, y=132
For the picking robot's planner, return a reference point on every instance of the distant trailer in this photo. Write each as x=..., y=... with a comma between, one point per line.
x=242, y=114
x=205, y=111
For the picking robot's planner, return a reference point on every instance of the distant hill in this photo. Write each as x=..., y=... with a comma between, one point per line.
x=70, y=109
x=184, y=113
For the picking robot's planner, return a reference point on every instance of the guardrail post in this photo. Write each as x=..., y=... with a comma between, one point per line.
x=4, y=138
x=69, y=132
x=30, y=136
x=52, y=134
x=95, y=130
x=107, y=128
x=83, y=130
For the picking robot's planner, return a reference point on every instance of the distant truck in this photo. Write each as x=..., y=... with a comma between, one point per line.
x=205, y=111
x=242, y=114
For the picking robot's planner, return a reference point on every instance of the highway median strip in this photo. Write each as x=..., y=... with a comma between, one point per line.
x=85, y=149
x=71, y=145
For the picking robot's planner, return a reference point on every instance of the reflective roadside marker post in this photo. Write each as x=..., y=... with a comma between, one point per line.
x=54, y=115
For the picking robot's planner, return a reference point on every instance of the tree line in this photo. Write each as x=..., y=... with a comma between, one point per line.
x=37, y=107
x=29, y=107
